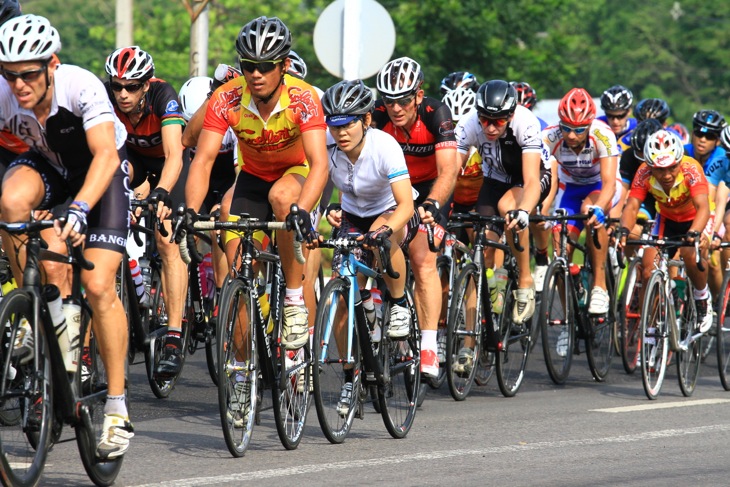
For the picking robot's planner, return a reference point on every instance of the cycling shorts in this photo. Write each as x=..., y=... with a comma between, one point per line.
x=570, y=197
x=492, y=192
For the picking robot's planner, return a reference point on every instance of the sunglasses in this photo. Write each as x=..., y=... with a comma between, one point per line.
x=497, y=122
x=708, y=135
x=401, y=102
x=617, y=116
x=26, y=76
x=568, y=129
x=131, y=87
x=263, y=67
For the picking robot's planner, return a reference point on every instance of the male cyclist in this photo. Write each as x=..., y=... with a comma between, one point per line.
x=616, y=103
x=527, y=97
x=76, y=163
x=459, y=79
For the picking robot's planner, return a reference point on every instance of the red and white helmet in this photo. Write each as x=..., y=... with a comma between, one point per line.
x=663, y=149
x=577, y=108
x=131, y=63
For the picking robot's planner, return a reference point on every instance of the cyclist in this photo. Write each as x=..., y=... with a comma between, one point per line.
x=652, y=108
x=281, y=138
x=586, y=152
x=515, y=170
x=681, y=130
x=680, y=189
x=459, y=79
x=527, y=97
x=10, y=145
x=616, y=102
x=150, y=111
x=76, y=163
x=423, y=128
x=369, y=169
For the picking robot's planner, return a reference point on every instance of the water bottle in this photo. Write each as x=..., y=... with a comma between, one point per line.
x=378, y=306
x=492, y=283
x=500, y=276
x=136, y=272
x=580, y=288
x=368, y=306
x=679, y=289
x=72, y=316
x=144, y=265
x=63, y=333
x=207, y=279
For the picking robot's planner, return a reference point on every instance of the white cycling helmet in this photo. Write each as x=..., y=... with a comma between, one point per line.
x=28, y=38
x=399, y=78
x=460, y=101
x=130, y=63
x=297, y=66
x=725, y=138
x=663, y=149
x=193, y=94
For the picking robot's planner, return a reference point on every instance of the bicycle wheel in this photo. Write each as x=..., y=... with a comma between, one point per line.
x=653, y=333
x=402, y=372
x=599, y=343
x=688, y=361
x=330, y=358
x=211, y=342
x=557, y=327
x=629, y=317
x=723, y=333
x=91, y=417
x=291, y=393
x=237, y=367
x=25, y=397
x=512, y=358
x=463, y=339
x=443, y=265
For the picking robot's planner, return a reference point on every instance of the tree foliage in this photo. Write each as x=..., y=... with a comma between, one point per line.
x=673, y=49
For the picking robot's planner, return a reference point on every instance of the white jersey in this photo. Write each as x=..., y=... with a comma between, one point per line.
x=583, y=168
x=365, y=185
x=502, y=158
x=80, y=102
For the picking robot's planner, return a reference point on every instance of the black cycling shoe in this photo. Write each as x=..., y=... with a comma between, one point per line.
x=170, y=363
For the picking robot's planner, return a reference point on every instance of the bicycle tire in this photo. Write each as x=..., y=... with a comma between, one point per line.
x=629, y=317
x=722, y=333
x=464, y=332
x=512, y=358
x=443, y=266
x=402, y=370
x=599, y=342
x=291, y=401
x=211, y=341
x=236, y=301
x=328, y=372
x=556, y=323
x=24, y=444
x=688, y=361
x=124, y=287
x=654, y=336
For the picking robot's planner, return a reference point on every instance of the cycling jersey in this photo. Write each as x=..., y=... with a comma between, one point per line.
x=161, y=108
x=715, y=156
x=502, y=158
x=717, y=166
x=79, y=103
x=677, y=205
x=267, y=148
x=624, y=138
x=628, y=165
x=432, y=131
x=365, y=186
x=469, y=182
x=223, y=172
x=585, y=167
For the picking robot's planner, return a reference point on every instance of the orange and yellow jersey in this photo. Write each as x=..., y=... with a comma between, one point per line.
x=469, y=182
x=266, y=148
x=676, y=205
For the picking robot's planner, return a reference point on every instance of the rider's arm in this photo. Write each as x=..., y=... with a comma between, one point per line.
x=195, y=125
x=548, y=202
x=315, y=149
x=628, y=217
x=103, y=166
x=196, y=187
x=403, y=195
x=448, y=168
x=173, y=149
x=531, y=162
x=702, y=207
x=721, y=195
x=608, y=182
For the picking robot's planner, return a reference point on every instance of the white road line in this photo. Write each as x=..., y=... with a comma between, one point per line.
x=661, y=405
x=370, y=463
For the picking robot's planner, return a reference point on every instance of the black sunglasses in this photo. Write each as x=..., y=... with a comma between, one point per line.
x=617, y=115
x=26, y=76
x=708, y=135
x=263, y=67
x=131, y=87
x=403, y=102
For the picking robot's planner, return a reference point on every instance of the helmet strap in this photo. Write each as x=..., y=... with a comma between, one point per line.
x=48, y=85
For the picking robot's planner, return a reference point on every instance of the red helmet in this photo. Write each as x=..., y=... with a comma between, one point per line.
x=577, y=108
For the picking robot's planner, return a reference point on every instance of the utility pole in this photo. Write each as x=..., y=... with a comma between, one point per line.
x=198, y=10
x=124, y=23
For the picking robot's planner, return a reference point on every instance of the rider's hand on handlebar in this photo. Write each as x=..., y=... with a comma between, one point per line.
x=429, y=211
x=164, y=202
x=375, y=238
x=334, y=215
x=598, y=217
x=517, y=218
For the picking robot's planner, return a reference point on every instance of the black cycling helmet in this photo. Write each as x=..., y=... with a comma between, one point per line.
x=9, y=9
x=651, y=108
x=264, y=39
x=496, y=99
x=708, y=122
x=616, y=98
x=459, y=79
x=346, y=101
x=642, y=132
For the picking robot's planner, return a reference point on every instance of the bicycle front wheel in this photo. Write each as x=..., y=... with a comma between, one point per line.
x=629, y=317
x=599, y=343
x=443, y=265
x=654, y=336
x=512, y=358
x=237, y=367
x=688, y=361
x=25, y=395
x=291, y=393
x=723, y=333
x=558, y=332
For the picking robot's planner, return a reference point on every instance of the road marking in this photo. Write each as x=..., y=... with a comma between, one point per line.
x=661, y=405
x=374, y=462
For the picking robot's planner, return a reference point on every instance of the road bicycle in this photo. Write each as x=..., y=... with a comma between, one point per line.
x=722, y=326
x=38, y=396
x=250, y=354
x=342, y=339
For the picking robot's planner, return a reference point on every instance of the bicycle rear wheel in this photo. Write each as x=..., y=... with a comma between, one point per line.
x=463, y=339
x=512, y=358
x=237, y=367
x=723, y=333
x=630, y=317
x=211, y=341
x=25, y=397
x=688, y=361
x=558, y=331
x=599, y=343
x=655, y=340
x=330, y=358
x=402, y=372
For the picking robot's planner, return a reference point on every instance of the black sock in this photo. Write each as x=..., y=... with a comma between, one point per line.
x=173, y=339
x=541, y=257
x=349, y=374
x=399, y=301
